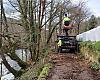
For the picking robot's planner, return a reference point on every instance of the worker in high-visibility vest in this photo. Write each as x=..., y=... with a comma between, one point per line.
x=59, y=44
x=67, y=24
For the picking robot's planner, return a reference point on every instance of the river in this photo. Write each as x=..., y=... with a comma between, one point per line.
x=23, y=54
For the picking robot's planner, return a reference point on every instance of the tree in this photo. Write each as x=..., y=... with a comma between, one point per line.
x=92, y=22
x=2, y=51
x=80, y=14
x=37, y=16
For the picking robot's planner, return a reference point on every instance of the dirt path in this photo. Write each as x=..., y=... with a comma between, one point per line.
x=71, y=67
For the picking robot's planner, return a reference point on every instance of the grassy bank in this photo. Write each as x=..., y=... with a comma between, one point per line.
x=91, y=50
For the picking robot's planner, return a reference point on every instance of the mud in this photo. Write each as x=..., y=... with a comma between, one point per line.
x=71, y=67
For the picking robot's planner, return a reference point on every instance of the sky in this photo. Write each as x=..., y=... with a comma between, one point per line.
x=93, y=5
x=10, y=11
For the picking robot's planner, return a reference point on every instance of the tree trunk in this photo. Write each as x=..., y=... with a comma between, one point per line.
x=11, y=50
x=38, y=44
x=14, y=72
x=78, y=28
x=21, y=63
x=51, y=33
x=1, y=23
x=50, y=22
x=60, y=24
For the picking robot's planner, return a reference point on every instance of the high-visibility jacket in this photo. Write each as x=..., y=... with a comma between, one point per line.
x=59, y=43
x=67, y=19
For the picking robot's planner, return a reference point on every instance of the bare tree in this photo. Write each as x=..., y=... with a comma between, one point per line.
x=79, y=13
x=1, y=48
x=38, y=16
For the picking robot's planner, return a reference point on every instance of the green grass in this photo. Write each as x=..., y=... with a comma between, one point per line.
x=95, y=66
x=92, y=49
x=91, y=45
x=97, y=46
x=45, y=71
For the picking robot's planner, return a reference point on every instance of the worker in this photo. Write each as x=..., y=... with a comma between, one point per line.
x=67, y=24
x=59, y=44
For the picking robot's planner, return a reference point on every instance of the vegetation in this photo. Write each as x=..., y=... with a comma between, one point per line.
x=45, y=71
x=36, y=29
x=91, y=45
x=91, y=51
x=33, y=72
x=95, y=66
x=92, y=22
x=89, y=24
x=97, y=46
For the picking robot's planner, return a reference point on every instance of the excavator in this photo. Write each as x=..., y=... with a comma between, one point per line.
x=66, y=42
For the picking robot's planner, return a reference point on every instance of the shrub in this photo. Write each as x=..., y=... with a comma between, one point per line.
x=95, y=66
x=99, y=59
x=97, y=46
x=44, y=72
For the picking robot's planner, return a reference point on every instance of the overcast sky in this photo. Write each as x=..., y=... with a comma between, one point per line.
x=94, y=6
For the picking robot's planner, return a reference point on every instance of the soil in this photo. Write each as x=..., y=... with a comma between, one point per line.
x=67, y=66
